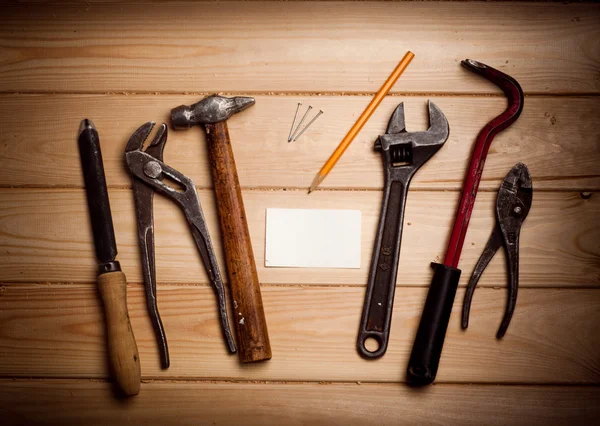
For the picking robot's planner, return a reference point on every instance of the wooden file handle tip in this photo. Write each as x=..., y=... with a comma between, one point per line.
x=360, y=122
x=122, y=349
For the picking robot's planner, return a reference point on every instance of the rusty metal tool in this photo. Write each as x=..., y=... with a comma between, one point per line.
x=112, y=285
x=512, y=206
x=151, y=174
x=251, y=325
x=429, y=341
x=403, y=153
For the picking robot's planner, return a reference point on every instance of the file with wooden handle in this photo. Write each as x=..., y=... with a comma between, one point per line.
x=122, y=349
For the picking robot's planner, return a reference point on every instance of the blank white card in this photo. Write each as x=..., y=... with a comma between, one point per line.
x=313, y=238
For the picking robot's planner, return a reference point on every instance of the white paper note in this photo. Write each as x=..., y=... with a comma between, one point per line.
x=313, y=238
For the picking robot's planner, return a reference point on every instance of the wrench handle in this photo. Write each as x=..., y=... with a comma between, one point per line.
x=429, y=341
x=379, y=298
x=249, y=314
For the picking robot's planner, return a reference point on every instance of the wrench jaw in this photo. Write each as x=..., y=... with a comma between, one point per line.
x=409, y=151
x=397, y=123
x=395, y=126
x=439, y=130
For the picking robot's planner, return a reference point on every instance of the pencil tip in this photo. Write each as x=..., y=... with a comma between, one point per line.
x=316, y=182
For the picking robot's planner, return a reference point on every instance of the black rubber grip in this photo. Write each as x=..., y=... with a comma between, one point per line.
x=427, y=349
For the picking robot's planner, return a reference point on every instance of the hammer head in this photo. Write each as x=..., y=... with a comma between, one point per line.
x=212, y=109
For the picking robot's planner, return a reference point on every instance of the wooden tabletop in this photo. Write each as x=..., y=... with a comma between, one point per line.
x=122, y=64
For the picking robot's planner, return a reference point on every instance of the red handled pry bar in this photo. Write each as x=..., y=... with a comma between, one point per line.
x=429, y=341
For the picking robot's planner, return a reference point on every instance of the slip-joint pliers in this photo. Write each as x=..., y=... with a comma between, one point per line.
x=512, y=206
x=151, y=174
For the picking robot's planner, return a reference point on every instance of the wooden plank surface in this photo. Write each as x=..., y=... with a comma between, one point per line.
x=553, y=336
x=59, y=402
x=550, y=131
x=122, y=64
x=46, y=237
x=308, y=47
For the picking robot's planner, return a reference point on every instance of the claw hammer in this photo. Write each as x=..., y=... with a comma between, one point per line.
x=212, y=112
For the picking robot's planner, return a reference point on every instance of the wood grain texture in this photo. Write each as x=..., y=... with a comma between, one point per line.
x=123, y=64
x=307, y=47
x=124, y=359
x=553, y=337
x=558, y=138
x=59, y=402
x=45, y=236
x=251, y=328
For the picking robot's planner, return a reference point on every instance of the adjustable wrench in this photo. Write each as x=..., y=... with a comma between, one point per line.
x=403, y=153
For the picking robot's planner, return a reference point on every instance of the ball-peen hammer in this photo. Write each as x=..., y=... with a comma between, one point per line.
x=212, y=112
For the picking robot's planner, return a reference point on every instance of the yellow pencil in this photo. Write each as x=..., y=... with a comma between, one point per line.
x=345, y=143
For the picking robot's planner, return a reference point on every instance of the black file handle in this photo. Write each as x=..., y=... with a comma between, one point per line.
x=429, y=341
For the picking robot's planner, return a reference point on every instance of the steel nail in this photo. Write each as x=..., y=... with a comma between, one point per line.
x=308, y=125
x=294, y=122
x=301, y=121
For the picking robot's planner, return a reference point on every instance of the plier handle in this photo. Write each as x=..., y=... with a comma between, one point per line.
x=512, y=206
x=151, y=174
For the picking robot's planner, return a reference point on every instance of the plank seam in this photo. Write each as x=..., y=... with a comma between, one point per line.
x=291, y=285
x=73, y=188
x=12, y=379
x=301, y=93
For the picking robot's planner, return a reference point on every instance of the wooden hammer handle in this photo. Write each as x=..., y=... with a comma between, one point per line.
x=250, y=322
x=122, y=350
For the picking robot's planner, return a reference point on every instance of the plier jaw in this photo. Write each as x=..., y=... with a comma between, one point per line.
x=156, y=147
x=514, y=201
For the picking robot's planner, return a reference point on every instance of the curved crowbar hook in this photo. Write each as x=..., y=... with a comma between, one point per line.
x=515, y=97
